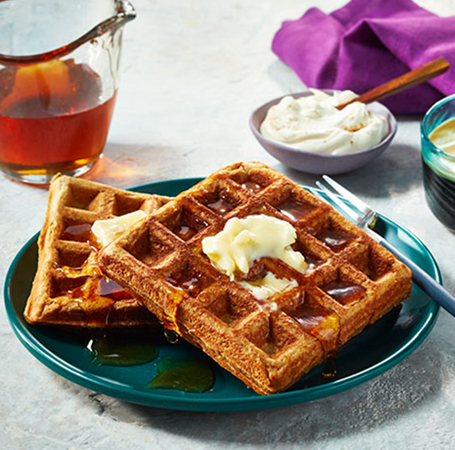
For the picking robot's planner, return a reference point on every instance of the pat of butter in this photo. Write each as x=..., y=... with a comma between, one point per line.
x=106, y=231
x=267, y=286
x=242, y=241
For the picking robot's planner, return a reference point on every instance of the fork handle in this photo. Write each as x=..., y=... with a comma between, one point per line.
x=429, y=285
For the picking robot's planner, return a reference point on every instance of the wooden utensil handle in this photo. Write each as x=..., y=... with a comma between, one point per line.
x=406, y=81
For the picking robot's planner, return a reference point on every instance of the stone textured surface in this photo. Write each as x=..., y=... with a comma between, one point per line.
x=192, y=73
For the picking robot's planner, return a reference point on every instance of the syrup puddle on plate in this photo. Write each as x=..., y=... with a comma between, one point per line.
x=113, y=351
x=186, y=374
x=183, y=374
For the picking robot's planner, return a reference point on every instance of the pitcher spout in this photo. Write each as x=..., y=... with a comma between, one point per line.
x=125, y=12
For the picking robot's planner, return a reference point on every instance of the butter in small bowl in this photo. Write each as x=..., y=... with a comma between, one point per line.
x=307, y=132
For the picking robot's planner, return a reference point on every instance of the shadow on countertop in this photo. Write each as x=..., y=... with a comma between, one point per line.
x=398, y=170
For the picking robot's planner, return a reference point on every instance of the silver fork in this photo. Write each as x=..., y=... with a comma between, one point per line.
x=365, y=217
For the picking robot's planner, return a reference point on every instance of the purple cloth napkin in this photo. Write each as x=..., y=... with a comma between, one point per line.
x=369, y=42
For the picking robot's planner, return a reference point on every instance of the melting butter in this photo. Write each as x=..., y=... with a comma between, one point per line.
x=267, y=286
x=106, y=231
x=242, y=241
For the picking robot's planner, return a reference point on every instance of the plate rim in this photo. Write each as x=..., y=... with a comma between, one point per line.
x=160, y=399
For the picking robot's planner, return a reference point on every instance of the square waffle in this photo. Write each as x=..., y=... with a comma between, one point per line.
x=351, y=281
x=69, y=288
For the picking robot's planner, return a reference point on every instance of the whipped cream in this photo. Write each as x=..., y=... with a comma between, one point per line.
x=314, y=124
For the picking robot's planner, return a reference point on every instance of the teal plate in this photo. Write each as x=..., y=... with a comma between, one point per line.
x=376, y=350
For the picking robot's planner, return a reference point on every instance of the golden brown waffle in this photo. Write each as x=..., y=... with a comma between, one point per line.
x=69, y=288
x=351, y=281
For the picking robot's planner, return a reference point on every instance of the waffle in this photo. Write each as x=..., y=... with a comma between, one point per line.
x=351, y=281
x=69, y=288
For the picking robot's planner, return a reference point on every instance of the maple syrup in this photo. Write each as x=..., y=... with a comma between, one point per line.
x=313, y=261
x=344, y=292
x=188, y=225
x=183, y=231
x=335, y=239
x=329, y=368
x=320, y=322
x=186, y=374
x=221, y=206
x=324, y=325
x=94, y=288
x=189, y=280
x=79, y=233
x=116, y=351
x=171, y=336
x=252, y=186
x=183, y=374
x=294, y=209
x=51, y=119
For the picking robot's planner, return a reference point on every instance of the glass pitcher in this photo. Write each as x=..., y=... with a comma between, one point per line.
x=59, y=68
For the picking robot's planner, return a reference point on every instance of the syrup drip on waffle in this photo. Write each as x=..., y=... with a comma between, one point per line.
x=221, y=206
x=334, y=239
x=294, y=209
x=320, y=322
x=78, y=233
x=95, y=288
x=252, y=186
x=329, y=369
x=344, y=292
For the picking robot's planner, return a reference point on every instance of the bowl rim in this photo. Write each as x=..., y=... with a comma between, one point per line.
x=259, y=136
x=425, y=135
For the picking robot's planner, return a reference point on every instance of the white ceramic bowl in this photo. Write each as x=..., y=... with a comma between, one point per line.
x=320, y=163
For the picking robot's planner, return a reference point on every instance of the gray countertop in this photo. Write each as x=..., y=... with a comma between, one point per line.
x=191, y=74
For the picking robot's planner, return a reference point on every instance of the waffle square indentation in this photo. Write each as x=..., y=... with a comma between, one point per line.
x=334, y=236
x=220, y=198
x=185, y=223
x=149, y=245
x=344, y=290
x=125, y=204
x=189, y=278
x=73, y=256
x=86, y=198
x=227, y=303
x=77, y=232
